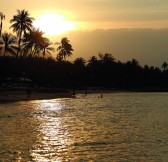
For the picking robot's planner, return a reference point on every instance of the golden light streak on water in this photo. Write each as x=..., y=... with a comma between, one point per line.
x=118, y=127
x=54, y=139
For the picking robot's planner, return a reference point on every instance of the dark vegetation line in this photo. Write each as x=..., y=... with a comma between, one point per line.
x=26, y=57
x=97, y=72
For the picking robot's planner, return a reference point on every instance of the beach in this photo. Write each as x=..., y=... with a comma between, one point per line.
x=13, y=95
x=42, y=93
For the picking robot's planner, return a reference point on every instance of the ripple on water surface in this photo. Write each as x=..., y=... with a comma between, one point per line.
x=117, y=127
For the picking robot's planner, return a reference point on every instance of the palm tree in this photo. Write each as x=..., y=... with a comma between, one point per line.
x=79, y=61
x=9, y=42
x=134, y=62
x=45, y=47
x=2, y=17
x=106, y=58
x=65, y=49
x=93, y=61
x=35, y=43
x=32, y=41
x=21, y=23
x=164, y=66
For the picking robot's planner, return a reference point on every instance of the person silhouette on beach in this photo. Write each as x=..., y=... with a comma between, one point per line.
x=85, y=92
x=73, y=93
x=101, y=96
x=28, y=92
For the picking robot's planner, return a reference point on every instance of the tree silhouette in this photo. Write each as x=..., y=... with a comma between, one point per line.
x=65, y=49
x=106, y=58
x=2, y=17
x=8, y=42
x=93, y=61
x=34, y=43
x=45, y=47
x=164, y=66
x=79, y=61
x=21, y=23
x=134, y=62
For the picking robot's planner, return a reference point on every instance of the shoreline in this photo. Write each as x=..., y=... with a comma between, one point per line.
x=20, y=95
x=16, y=95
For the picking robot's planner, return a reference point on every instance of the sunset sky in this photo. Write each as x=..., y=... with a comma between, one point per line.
x=125, y=28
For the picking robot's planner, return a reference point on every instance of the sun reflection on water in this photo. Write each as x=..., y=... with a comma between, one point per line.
x=54, y=136
x=118, y=127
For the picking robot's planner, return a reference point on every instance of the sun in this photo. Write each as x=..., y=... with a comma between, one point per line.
x=53, y=24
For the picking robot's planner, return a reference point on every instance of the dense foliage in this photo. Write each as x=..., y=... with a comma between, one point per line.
x=96, y=72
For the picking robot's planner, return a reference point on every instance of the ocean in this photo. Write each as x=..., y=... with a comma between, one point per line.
x=115, y=127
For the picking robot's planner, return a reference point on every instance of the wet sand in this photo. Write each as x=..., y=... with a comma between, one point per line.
x=14, y=96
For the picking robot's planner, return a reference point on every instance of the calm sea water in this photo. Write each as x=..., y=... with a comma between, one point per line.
x=119, y=127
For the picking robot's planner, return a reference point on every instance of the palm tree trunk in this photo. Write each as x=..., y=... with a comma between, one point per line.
x=4, y=51
x=31, y=51
x=1, y=28
x=20, y=36
x=44, y=53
